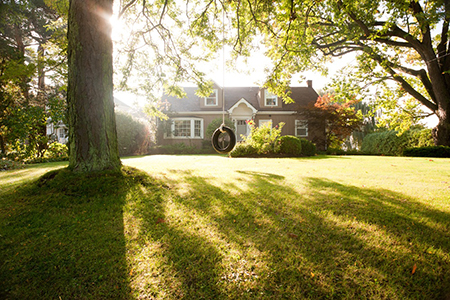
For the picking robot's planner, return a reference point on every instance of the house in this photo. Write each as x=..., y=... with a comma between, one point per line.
x=190, y=116
x=59, y=132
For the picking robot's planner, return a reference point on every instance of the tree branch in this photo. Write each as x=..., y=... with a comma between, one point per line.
x=399, y=79
x=129, y=4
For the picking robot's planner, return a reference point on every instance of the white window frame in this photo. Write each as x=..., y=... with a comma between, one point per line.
x=213, y=96
x=61, y=133
x=192, y=129
x=301, y=124
x=269, y=96
x=265, y=121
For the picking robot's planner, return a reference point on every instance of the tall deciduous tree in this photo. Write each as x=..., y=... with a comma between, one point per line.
x=403, y=41
x=92, y=125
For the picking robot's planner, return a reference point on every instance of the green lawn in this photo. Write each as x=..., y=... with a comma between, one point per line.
x=211, y=227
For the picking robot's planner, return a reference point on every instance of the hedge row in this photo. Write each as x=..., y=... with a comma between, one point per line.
x=430, y=151
x=391, y=143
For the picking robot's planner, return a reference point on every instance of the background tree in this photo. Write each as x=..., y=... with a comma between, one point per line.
x=26, y=32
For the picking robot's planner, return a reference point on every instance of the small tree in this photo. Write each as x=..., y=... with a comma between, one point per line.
x=339, y=119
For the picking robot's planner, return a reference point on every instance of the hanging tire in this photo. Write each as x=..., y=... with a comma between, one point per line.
x=219, y=145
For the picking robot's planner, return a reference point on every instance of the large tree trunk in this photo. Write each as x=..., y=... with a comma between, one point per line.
x=441, y=133
x=92, y=125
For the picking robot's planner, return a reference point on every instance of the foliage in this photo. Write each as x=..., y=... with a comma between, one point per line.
x=339, y=118
x=308, y=148
x=401, y=46
x=8, y=164
x=267, y=141
x=391, y=143
x=28, y=53
x=290, y=145
x=57, y=150
x=133, y=135
x=243, y=149
x=428, y=151
x=369, y=124
x=264, y=138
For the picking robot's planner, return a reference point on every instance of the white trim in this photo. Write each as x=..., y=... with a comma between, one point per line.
x=305, y=126
x=215, y=95
x=269, y=95
x=254, y=110
x=277, y=112
x=192, y=128
x=209, y=112
x=219, y=112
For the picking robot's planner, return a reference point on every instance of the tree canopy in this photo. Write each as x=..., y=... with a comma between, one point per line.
x=401, y=46
x=404, y=42
x=29, y=52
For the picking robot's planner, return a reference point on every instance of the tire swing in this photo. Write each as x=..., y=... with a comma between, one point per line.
x=223, y=138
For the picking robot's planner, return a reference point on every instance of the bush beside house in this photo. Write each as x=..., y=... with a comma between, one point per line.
x=265, y=141
x=391, y=143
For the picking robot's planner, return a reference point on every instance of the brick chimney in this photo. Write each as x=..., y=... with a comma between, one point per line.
x=309, y=83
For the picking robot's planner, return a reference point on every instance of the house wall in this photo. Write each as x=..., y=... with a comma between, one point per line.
x=315, y=134
x=194, y=142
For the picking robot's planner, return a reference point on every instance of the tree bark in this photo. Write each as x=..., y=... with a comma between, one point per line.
x=441, y=133
x=92, y=124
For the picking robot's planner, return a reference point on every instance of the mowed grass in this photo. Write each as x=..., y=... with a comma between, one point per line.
x=211, y=227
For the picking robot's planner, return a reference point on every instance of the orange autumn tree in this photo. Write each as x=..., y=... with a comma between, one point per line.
x=337, y=119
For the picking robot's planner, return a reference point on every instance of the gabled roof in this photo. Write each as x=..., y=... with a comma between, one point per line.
x=246, y=103
x=301, y=96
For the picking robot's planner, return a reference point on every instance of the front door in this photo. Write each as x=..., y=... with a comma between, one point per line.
x=241, y=129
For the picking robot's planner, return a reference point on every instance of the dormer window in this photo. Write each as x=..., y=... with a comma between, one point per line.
x=270, y=99
x=211, y=100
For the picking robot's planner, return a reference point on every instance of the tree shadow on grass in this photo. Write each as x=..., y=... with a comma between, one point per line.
x=62, y=237
x=270, y=241
x=255, y=238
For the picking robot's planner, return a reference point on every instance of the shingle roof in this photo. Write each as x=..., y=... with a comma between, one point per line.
x=301, y=96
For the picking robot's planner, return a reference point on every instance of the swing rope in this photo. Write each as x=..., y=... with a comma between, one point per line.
x=224, y=130
x=223, y=65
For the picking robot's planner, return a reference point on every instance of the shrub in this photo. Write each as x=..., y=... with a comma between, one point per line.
x=264, y=138
x=57, y=150
x=308, y=148
x=429, y=151
x=133, y=135
x=243, y=150
x=290, y=145
x=390, y=143
x=7, y=164
x=420, y=138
